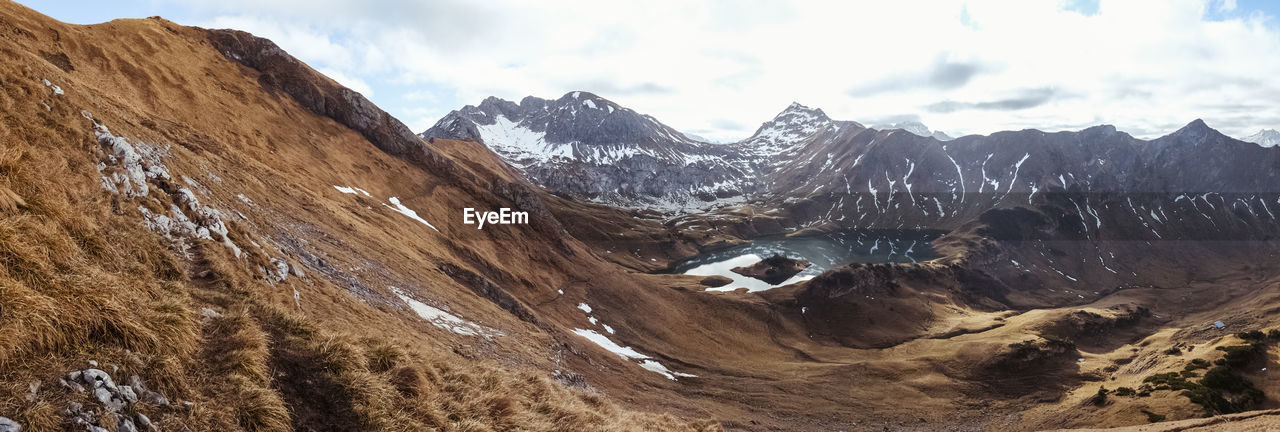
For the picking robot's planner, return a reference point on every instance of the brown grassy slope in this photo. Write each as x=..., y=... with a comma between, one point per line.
x=233, y=138
x=83, y=280
x=1264, y=420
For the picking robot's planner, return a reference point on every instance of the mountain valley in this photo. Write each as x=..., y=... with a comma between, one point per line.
x=198, y=231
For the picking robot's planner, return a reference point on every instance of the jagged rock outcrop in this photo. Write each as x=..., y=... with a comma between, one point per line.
x=281, y=71
x=112, y=398
x=587, y=147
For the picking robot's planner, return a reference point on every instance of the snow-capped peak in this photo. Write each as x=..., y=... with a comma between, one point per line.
x=614, y=151
x=792, y=124
x=702, y=139
x=788, y=131
x=1265, y=138
x=916, y=128
x=798, y=110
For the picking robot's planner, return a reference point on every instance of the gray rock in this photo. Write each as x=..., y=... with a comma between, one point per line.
x=93, y=363
x=143, y=421
x=33, y=391
x=110, y=400
x=138, y=386
x=296, y=271
x=127, y=394
x=146, y=395
x=72, y=385
x=281, y=270
x=92, y=428
x=126, y=425
x=76, y=414
x=157, y=399
x=207, y=313
x=7, y=425
x=97, y=378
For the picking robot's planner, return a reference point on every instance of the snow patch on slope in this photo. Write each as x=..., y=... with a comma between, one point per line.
x=521, y=144
x=445, y=320
x=352, y=190
x=628, y=353
x=400, y=208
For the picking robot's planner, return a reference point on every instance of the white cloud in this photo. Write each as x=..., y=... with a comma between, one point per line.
x=421, y=96
x=350, y=82
x=722, y=67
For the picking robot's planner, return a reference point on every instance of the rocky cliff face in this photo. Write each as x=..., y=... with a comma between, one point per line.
x=282, y=72
x=587, y=147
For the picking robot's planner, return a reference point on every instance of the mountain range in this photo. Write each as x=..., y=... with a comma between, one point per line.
x=587, y=147
x=1264, y=137
x=917, y=128
x=822, y=172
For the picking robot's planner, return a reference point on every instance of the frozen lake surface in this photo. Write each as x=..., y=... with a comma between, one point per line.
x=823, y=252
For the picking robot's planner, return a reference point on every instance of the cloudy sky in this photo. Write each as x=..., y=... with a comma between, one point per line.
x=720, y=68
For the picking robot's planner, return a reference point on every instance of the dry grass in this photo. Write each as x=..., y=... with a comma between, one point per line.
x=81, y=279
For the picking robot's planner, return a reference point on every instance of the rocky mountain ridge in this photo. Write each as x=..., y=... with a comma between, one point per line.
x=584, y=146
x=1264, y=137
x=917, y=128
x=803, y=162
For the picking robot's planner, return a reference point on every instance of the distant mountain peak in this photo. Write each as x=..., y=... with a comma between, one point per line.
x=580, y=95
x=700, y=138
x=1196, y=130
x=787, y=132
x=577, y=124
x=796, y=121
x=1196, y=125
x=917, y=128
x=798, y=109
x=619, y=156
x=1264, y=137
